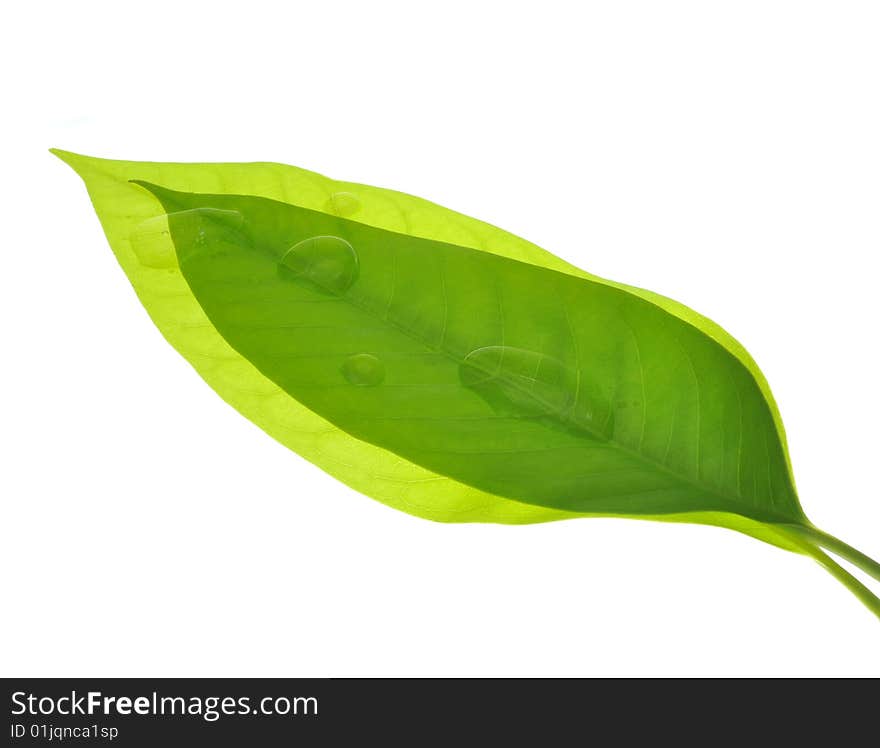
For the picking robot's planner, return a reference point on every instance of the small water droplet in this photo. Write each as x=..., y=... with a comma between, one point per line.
x=343, y=204
x=327, y=262
x=364, y=370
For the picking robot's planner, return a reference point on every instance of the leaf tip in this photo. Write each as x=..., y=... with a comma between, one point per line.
x=75, y=161
x=162, y=193
x=66, y=156
x=148, y=186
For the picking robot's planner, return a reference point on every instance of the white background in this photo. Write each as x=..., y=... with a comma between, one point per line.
x=725, y=153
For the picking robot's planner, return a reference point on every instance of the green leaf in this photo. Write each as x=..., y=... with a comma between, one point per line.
x=446, y=367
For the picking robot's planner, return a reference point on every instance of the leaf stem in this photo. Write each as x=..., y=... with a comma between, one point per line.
x=810, y=539
x=839, y=548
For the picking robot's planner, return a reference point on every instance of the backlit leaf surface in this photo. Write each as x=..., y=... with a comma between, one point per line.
x=444, y=366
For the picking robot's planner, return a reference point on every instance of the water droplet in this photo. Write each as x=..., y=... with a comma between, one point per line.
x=527, y=383
x=154, y=240
x=199, y=230
x=343, y=204
x=364, y=369
x=327, y=262
x=151, y=243
x=533, y=382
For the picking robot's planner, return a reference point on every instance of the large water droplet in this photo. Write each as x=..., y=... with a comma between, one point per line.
x=152, y=245
x=343, y=204
x=526, y=383
x=533, y=382
x=326, y=262
x=364, y=369
x=190, y=231
x=211, y=230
